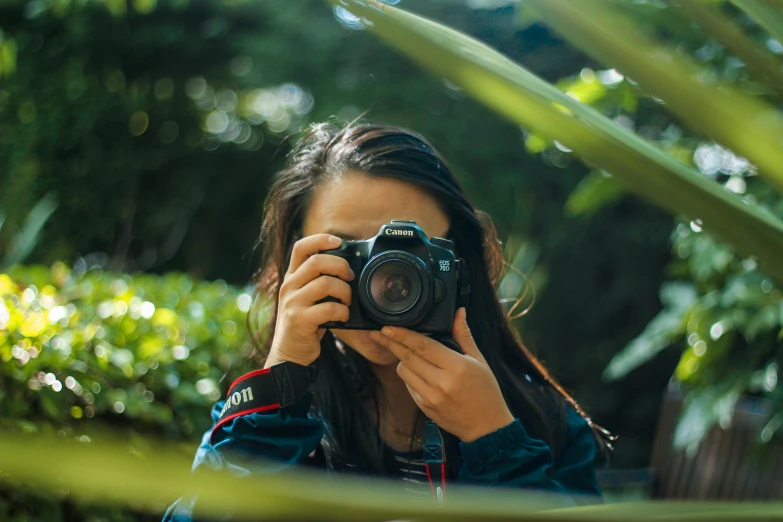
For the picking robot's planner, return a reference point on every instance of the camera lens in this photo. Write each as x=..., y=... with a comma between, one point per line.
x=395, y=288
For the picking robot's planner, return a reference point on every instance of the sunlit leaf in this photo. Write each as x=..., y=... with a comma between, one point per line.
x=595, y=191
x=8, y=52
x=525, y=99
x=747, y=125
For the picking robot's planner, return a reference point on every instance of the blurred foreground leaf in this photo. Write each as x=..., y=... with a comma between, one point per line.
x=151, y=480
x=767, y=13
x=747, y=125
x=764, y=65
x=523, y=98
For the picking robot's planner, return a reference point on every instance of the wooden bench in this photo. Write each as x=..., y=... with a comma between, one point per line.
x=730, y=464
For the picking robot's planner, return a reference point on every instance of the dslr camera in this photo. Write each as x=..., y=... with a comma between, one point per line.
x=403, y=279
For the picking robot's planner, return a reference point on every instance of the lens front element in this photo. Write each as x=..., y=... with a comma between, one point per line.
x=394, y=286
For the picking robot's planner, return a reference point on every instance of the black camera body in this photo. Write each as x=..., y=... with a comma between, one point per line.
x=403, y=279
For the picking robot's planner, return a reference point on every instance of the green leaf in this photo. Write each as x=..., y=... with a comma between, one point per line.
x=758, y=60
x=517, y=94
x=768, y=14
x=27, y=237
x=525, y=16
x=658, y=334
x=749, y=126
x=703, y=408
x=8, y=52
x=594, y=192
x=151, y=475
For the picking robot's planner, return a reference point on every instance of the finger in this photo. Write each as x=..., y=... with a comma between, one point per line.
x=324, y=313
x=417, y=398
x=318, y=265
x=421, y=367
x=320, y=288
x=423, y=346
x=307, y=246
x=414, y=382
x=461, y=334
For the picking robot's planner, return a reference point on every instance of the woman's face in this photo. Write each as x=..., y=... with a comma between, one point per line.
x=355, y=206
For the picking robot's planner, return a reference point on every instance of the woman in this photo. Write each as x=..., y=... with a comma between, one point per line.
x=505, y=421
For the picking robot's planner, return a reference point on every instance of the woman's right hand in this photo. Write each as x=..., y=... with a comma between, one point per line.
x=310, y=277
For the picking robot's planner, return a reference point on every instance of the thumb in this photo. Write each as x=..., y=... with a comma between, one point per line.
x=461, y=334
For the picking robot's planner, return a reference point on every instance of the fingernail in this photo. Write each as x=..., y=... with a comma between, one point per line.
x=375, y=336
x=353, y=276
x=388, y=332
x=334, y=240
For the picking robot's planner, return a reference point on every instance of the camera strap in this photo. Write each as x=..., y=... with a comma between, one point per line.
x=435, y=460
x=464, y=283
x=276, y=387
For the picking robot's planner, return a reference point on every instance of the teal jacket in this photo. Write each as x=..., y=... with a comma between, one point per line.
x=508, y=457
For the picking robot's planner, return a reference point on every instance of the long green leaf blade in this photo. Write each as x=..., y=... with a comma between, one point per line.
x=767, y=13
x=111, y=474
x=746, y=125
x=523, y=98
x=27, y=237
x=762, y=63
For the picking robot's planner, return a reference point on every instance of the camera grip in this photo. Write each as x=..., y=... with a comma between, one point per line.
x=330, y=324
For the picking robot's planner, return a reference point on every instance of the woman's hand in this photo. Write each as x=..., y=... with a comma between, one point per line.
x=459, y=392
x=310, y=277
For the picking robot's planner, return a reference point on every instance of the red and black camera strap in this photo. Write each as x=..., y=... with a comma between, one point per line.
x=435, y=460
x=278, y=386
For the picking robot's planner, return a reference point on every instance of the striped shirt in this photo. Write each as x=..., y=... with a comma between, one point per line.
x=411, y=469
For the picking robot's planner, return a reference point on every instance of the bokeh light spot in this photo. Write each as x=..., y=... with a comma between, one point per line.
x=168, y=132
x=138, y=123
x=164, y=89
x=217, y=122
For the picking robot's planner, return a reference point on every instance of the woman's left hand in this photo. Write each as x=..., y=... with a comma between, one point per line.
x=459, y=392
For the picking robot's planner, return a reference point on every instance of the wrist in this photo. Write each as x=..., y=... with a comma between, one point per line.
x=277, y=357
x=490, y=426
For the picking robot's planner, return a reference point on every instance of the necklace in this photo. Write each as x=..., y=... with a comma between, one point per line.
x=411, y=438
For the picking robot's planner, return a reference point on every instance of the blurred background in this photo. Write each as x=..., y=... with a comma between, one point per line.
x=137, y=141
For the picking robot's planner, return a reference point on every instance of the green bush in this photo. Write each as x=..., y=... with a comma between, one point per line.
x=85, y=351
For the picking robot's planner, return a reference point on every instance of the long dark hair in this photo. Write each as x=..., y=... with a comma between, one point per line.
x=327, y=150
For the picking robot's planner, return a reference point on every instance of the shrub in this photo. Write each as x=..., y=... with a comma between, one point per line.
x=85, y=351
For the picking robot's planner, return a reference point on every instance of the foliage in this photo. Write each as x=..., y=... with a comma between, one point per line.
x=728, y=316
x=730, y=295
x=82, y=349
